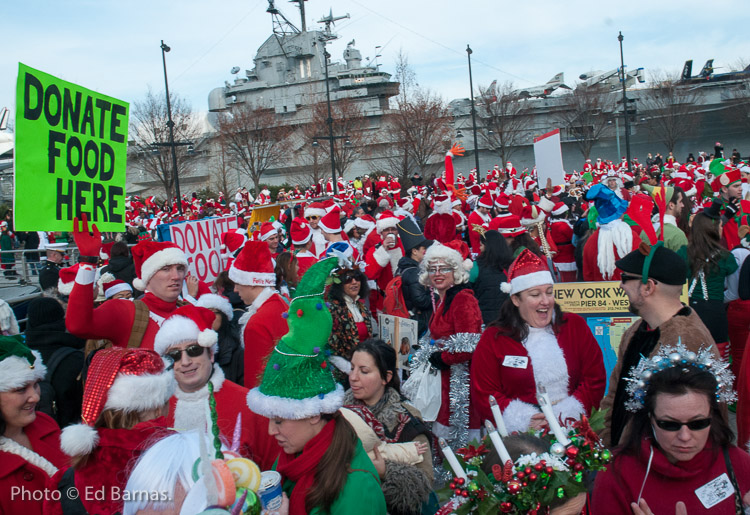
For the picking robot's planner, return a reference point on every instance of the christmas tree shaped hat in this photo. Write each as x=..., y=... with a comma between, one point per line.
x=297, y=381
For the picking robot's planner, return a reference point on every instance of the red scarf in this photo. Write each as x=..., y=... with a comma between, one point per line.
x=301, y=469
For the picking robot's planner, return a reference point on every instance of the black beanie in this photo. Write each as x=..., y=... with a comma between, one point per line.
x=666, y=266
x=43, y=310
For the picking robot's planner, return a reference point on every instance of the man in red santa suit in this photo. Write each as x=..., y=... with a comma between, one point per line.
x=160, y=268
x=612, y=240
x=381, y=261
x=380, y=185
x=263, y=324
x=510, y=170
x=479, y=217
x=270, y=235
x=313, y=213
x=302, y=241
x=561, y=233
x=394, y=188
x=186, y=338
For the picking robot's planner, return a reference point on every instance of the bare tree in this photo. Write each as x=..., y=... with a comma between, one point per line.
x=349, y=132
x=255, y=140
x=221, y=171
x=148, y=128
x=405, y=76
x=671, y=109
x=585, y=116
x=507, y=116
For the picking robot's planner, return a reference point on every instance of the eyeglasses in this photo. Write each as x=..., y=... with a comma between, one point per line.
x=193, y=351
x=673, y=426
x=441, y=270
x=348, y=279
x=312, y=217
x=625, y=277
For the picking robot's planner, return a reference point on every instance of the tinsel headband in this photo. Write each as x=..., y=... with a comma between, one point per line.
x=678, y=356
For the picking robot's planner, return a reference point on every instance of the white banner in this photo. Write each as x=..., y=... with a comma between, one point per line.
x=548, y=158
x=200, y=240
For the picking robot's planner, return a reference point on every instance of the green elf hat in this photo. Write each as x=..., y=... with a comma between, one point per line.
x=297, y=381
x=19, y=365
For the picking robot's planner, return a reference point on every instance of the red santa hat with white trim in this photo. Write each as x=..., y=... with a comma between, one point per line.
x=387, y=219
x=560, y=209
x=111, y=286
x=485, y=201
x=218, y=302
x=300, y=231
x=331, y=222
x=527, y=271
x=150, y=256
x=130, y=380
x=315, y=209
x=187, y=324
x=266, y=231
x=253, y=266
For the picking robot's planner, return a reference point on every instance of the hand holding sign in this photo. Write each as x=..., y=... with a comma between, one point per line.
x=88, y=244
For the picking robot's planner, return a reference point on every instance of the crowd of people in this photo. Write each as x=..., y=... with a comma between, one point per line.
x=137, y=388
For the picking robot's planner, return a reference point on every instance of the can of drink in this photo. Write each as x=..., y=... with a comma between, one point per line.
x=270, y=490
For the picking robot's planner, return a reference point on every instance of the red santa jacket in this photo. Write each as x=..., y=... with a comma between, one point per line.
x=107, y=466
x=561, y=233
x=17, y=473
x=463, y=316
x=497, y=370
x=264, y=326
x=112, y=320
x=188, y=411
x=305, y=260
x=476, y=218
x=591, y=270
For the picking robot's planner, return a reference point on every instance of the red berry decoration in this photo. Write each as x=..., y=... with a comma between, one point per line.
x=300, y=313
x=457, y=491
x=571, y=452
x=461, y=481
x=452, y=486
x=465, y=493
x=505, y=507
x=539, y=467
x=578, y=467
x=549, y=470
x=521, y=475
x=533, y=477
x=514, y=487
x=525, y=484
x=527, y=470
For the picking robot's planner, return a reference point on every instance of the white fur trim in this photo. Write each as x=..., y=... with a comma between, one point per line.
x=524, y=282
x=251, y=278
x=385, y=223
x=140, y=393
x=217, y=302
x=261, y=299
x=329, y=230
x=179, y=329
x=16, y=372
x=117, y=288
x=105, y=278
x=78, y=440
x=568, y=408
x=157, y=260
x=562, y=209
x=517, y=416
x=294, y=409
x=548, y=362
x=314, y=211
x=65, y=288
x=342, y=364
x=546, y=204
x=616, y=234
x=381, y=256
x=13, y=447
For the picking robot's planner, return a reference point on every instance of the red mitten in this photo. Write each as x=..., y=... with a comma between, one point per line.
x=88, y=244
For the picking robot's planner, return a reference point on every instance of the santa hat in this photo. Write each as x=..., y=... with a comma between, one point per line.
x=300, y=231
x=253, y=266
x=106, y=250
x=545, y=204
x=217, y=302
x=232, y=241
x=558, y=190
x=66, y=279
x=485, y=201
x=111, y=286
x=559, y=209
x=462, y=248
x=387, y=219
x=508, y=225
x=297, y=382
x=266, y=231
x=724, y=178
x=331, y=222
x=187, y=324
x=150, y=256
x=19, y=365
x=532, y=215
x=527, y=271
x=131, y=380
x=315, y=209
x=442, y=204
x=502, y=201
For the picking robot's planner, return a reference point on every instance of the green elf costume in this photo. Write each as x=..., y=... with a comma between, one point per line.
x=298, y=384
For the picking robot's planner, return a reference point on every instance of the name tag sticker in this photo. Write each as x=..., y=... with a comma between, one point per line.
x=715, y=491
x=516, y=361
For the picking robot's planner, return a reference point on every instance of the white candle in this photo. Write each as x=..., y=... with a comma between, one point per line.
x=497, y=442
x=546, y=406
x=452, y=460
x=499, y=422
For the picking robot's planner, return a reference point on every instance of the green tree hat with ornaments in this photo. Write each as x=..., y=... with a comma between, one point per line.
x=297, y=381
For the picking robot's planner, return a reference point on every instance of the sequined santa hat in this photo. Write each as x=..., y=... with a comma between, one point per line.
x=253, y=266
x=187, y=324
x=527, y=271
x=129, y=380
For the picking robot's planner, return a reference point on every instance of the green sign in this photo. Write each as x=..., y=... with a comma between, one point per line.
x=70, y=155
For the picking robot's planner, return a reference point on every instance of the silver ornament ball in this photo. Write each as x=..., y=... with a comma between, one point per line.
x=557, y=449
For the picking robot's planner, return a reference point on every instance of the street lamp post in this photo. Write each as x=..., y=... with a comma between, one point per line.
x=329, y=120
x=473, y=111
x=620, y=37
x=164, y=49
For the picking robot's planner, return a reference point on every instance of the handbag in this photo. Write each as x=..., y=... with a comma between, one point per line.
x=423, y=389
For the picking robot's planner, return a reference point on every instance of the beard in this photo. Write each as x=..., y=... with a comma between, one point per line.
x=634, y=309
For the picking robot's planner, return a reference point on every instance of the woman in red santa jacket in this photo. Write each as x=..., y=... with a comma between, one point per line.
x=679, y=448
x=29, y=440
x=532, y=343
x=455, y=327
x=124, y=403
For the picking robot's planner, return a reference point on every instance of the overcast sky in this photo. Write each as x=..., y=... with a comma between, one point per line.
x=113, y=47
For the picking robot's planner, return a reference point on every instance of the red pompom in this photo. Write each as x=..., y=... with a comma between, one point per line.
x=300, y=313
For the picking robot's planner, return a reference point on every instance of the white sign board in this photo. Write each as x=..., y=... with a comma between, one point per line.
x=399, y=333
x=548, y=158
x=200, y=240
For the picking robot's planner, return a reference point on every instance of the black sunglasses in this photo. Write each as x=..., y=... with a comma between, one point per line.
x=350, y=279
x=673, y=425
x=193, y=351
x=625, y=277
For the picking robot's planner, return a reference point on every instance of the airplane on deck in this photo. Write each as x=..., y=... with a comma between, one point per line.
x=611, y=79
x=707, y=73
x=544, y=90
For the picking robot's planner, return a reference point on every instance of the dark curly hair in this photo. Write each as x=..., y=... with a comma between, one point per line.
x=337, y=288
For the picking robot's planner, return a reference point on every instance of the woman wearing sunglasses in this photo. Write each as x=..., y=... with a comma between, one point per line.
x=352, y=320
x=680, y=447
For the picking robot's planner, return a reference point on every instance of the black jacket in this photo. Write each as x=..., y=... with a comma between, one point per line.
x=122, y=268
x=46, y=339
x=417, y=297
x=488, y=293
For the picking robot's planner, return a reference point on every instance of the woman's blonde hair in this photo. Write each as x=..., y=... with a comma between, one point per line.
x=450, y=257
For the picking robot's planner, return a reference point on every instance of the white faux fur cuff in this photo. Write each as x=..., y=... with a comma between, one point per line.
x=85, y=275
x=517, y=416
x=567, y=409
x=381, y=256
